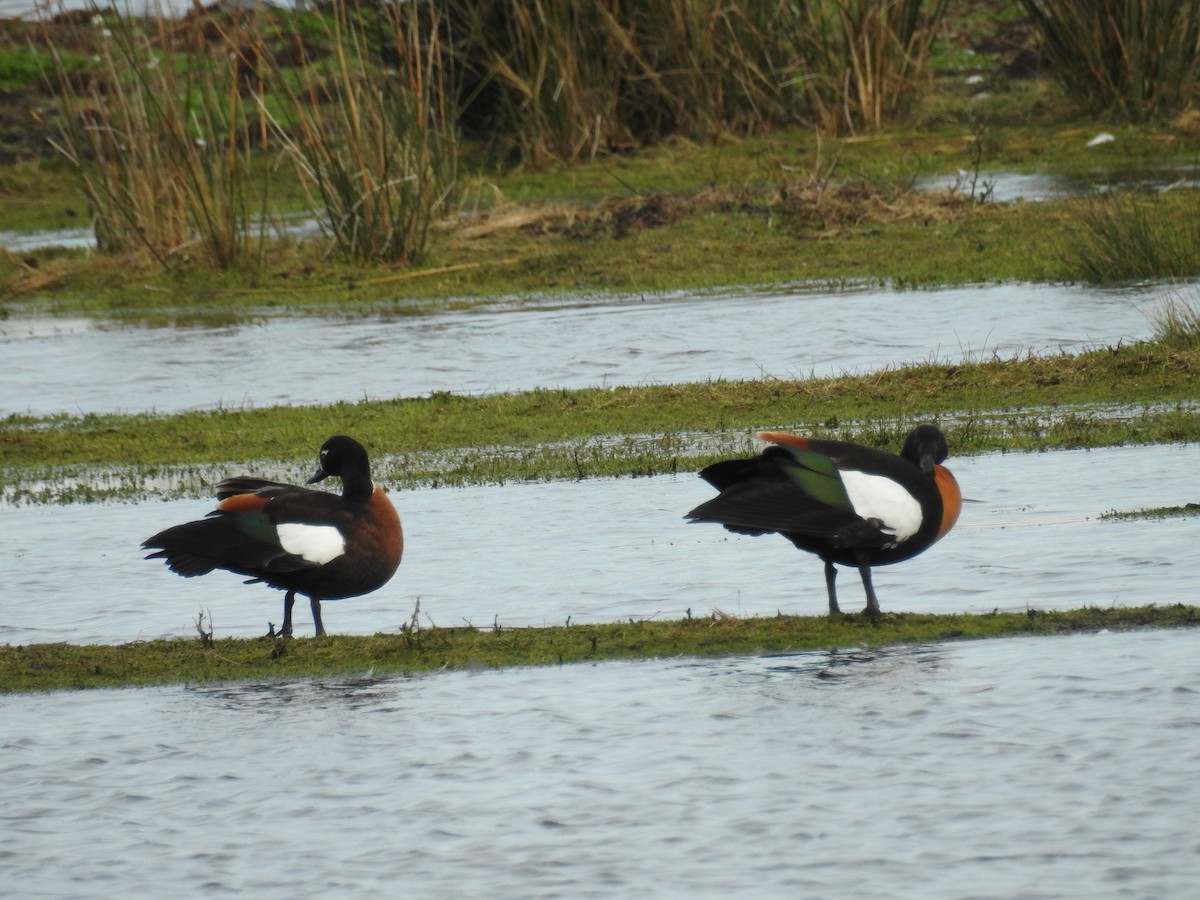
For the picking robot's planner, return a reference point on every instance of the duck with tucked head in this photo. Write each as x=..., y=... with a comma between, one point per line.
x=850, y=505
x=300, y=540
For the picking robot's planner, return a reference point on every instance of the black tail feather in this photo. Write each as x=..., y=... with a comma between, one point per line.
x=196, y=548
x=730, y=471
x=189, y=565
x=245, y=484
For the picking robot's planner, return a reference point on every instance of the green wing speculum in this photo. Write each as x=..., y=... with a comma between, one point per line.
x=816, y=476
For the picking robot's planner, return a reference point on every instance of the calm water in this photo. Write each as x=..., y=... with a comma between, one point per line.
x=608, y=549
x=1048, y=767
x=659, y=340
x=1010, y=187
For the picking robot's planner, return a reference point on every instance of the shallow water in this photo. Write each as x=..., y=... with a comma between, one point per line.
x=297, y=227
x=1027, y=767
x=1010, y=187
x=29, y=8
x=609, y=549
x=79, y=366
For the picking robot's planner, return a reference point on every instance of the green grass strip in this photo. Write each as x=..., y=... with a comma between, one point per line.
x=1155, y=512
x=42, y=667
x=1023, y=403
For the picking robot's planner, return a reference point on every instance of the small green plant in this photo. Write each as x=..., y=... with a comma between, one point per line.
x=206, y=635
x=1124, y=237
x=1177, y=321
x=970, y=183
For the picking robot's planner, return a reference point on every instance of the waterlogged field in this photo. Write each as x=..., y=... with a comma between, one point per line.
x=932, y=767
x=780, y=772
x=610, y=549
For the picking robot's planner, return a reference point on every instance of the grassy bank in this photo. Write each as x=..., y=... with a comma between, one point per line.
x=626, y=243
x=1143, y=393
x=62, y=666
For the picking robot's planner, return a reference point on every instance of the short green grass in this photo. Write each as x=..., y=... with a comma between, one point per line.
x=1153, y=512
x=42, y=667
x=1138, y=393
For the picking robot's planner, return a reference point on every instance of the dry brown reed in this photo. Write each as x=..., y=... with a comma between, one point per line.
x=156, y=135
x=373, y=134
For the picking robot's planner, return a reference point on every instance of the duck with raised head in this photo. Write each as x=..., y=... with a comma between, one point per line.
x=323, y=545
x=850, y=505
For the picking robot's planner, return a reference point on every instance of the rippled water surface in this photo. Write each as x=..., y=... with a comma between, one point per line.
x=571, y=345
x=1048, y=767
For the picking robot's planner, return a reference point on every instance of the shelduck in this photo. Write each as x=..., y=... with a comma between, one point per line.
x=297, y=539
x=850, y=505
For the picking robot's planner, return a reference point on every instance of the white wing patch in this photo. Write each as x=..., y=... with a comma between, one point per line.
x=877, y=497
x=316, y=543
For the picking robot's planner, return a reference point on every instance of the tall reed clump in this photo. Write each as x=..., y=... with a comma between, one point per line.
x=564, y=80
x=706, y=67
x=541, y=80
x=1125, y=237
x=155, y=134
x=372, y=130
x=1137, y=58
x=863, y=62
